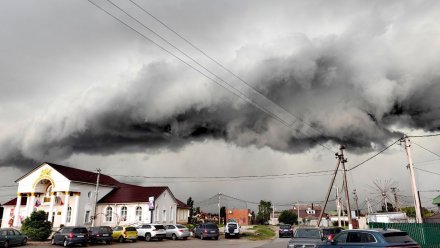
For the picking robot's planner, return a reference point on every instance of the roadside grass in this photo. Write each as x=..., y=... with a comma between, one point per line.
x=259, y=232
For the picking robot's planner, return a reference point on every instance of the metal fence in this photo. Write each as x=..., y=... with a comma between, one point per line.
x=426, y=234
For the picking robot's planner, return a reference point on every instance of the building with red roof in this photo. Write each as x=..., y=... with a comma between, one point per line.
x=67, y=194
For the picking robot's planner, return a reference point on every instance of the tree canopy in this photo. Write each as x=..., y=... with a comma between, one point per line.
x=288, y=217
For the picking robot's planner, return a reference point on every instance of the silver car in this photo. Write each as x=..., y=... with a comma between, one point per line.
x=177, y=232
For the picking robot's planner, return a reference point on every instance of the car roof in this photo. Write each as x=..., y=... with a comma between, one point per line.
x=375, y=230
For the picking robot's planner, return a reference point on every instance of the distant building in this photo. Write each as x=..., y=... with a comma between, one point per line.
x=308, y=214
x=387, y=217
x=67, y=195
x=436, y=201
x=241, y=216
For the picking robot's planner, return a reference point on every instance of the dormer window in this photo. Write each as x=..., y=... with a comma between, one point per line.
x=310, y=211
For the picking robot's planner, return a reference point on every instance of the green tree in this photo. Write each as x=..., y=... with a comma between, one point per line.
x=190, y=203
x=288, y=217
x=264, y=210
x=37, y=227
x=411, y=212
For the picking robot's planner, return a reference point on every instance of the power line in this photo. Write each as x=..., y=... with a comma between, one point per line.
x=323, y=172
x=427, y=171
x=375, y=155
x=229, y=87
x=219, y=64
x=424, y=136
x=426, y=149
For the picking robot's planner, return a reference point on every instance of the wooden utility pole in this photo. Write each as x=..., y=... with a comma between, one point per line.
x=413, y=180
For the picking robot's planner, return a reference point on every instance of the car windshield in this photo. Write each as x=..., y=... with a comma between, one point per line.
x=105, y=229
x=211, y=226
x=159, y=227
x=130, y=229
x=180, y=226
x=397, y=237
x=308, y=233
x=79, y=230
x=285, y=227
x=232, y=225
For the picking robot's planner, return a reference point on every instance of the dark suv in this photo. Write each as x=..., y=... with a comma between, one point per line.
x=206, y=230
x=68, y=236
x=100, y=234
x=285, y=230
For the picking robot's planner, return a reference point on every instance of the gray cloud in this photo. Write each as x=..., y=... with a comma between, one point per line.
x=374, y=71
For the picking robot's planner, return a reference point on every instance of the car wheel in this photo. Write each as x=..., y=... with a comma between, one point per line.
x=174, y=237
x=108, y=242
x=6, y=244
x=148, y=237
x=160, y=239
x=121, y=239
x=65, y=244
x=24, y=242
x=185, y=238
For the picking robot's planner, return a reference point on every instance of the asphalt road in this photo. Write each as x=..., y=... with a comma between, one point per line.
x=190, y=243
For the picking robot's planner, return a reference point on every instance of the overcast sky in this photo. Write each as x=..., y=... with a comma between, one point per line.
x=79, y=88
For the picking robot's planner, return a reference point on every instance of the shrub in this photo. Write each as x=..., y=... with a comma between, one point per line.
x=37, y=227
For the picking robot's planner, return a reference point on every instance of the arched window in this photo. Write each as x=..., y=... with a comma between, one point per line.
x=69, y=214
x=139, y=213
x=124, y=213
x=109, y=214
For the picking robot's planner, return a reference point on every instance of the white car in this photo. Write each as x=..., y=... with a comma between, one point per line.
x=151, y=231
x=177, y=232
x=232, y=229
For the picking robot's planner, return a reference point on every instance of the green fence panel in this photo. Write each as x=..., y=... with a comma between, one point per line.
x=426, y=234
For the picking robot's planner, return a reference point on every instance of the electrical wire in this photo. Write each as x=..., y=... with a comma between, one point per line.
x=375, y=155
x=427, y=171
x=426, y=149
x=229, y=87
x=220, y=64
x=424, y=136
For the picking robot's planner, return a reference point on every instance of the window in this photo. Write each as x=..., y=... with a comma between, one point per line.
x=87, y=216
x=69, y=214
x=171, y=213
x=124, y=213
x=342, y=238
x=139, y=213
x=164, y=215
x=109, y=214
x=359, y=237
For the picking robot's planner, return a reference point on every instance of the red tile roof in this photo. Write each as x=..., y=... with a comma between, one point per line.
x=13, y=202
x=132, y=193
x=79, y=175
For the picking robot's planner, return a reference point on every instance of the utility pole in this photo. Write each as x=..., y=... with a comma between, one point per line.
x=219, y=218
x=329, y=189
x=357, y=205
x=396, y=201
x=338, y=205
x=347, y=196
x=413, y=180
x=96, y=196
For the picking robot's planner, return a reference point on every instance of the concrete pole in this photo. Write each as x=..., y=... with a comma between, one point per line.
x=329, y=190
x=413, y=180
x=96, y=197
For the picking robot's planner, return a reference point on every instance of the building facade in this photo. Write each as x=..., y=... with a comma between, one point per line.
x=67, y=195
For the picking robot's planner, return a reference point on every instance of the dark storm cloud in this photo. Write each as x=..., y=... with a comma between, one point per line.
x=353, y=87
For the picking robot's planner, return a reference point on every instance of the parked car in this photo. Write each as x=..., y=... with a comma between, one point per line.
x=10, y=236
x=177, y=232
x=371, y=238
x=123, y=233
x=100, y=234
x=152, y=231
x=206, y=230
x=232, y=229
x=329, y=232
x=306, y=238
x=68, y=236
x=285, y=230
